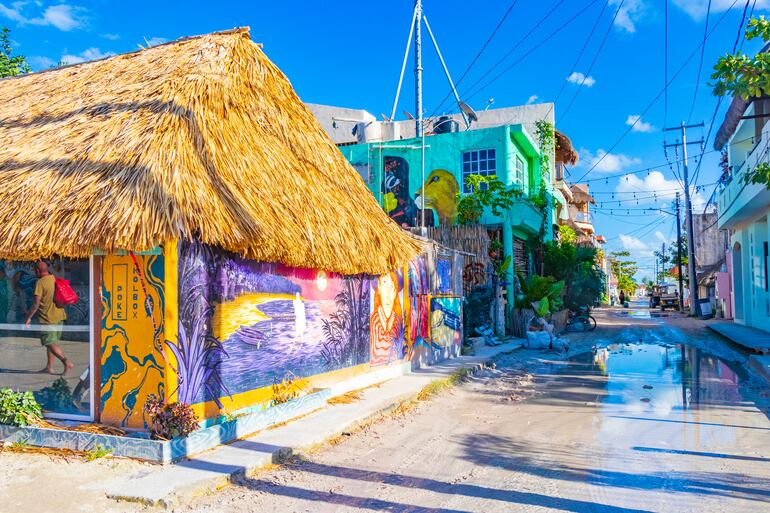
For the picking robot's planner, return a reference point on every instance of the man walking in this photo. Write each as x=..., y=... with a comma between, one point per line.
x=50, y=316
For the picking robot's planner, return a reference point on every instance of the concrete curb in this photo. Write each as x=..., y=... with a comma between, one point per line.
x=210, y=471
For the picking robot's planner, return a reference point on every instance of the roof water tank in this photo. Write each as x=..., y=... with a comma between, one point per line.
x=445, y=125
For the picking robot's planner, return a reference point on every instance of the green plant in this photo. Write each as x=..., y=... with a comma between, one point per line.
x=546, y=138
x=541, y=293
x=567, y=234
x=19, y=408
x=486, y=192
x=576, y=266
x=99, y=451
x=168, y=421
x=20, y=445
x=10, y=65
x=624, y=271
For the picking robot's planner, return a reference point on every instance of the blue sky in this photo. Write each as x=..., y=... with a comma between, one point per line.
x=349, y=54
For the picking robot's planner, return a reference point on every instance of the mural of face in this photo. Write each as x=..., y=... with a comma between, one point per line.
x=387, y=324
x=439, y=192
x=387, y=291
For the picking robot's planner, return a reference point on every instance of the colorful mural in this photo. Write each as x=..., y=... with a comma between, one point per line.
x=446, y=326
x=439, y=193
x=397, y=201
x=419, y=307
x=132, y=363
x=245, y=325
x=387, y=320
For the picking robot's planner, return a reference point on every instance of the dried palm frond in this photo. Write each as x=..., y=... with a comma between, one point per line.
x=203, y=137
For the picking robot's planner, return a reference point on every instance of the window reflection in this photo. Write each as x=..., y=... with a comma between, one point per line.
x=60, y=385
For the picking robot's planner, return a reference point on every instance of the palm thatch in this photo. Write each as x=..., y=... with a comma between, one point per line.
x=565, y=152
x=203, y=137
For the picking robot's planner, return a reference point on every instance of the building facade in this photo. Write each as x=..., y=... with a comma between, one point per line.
x=744, y=209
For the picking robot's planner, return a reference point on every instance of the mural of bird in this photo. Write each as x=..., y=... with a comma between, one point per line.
x=438, y=193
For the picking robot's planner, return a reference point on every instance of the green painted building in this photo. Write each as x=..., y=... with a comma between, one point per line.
x=412, y=193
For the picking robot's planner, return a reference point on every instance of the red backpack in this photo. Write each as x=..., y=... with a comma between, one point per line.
x=63, y=293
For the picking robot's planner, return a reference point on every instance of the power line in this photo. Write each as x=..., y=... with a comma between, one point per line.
x=541, y=43
x=665, y=64
x=700, y=65
x=532, y=30
x=580, y=55
x=740, y=37
x=478, y=54
x=598, y=51
x=654, y=100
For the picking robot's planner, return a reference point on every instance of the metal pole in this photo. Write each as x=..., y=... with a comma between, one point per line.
x=679, y=254
x=446, y=71
x=693, y=280
x=418, y=67
x=403, y=67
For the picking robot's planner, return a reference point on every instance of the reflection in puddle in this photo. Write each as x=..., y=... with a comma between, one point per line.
x=664, y=378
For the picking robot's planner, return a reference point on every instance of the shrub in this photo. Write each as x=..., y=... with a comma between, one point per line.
x=19, y=408
x=168, y=421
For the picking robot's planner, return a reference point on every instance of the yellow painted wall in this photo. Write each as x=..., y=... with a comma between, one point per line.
x=132, y=335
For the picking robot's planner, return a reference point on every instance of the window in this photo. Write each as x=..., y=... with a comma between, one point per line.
x=478, y=162
x=519, y=176
x=62, y=333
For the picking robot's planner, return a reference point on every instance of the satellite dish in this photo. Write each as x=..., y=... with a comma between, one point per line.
x=468, y=111
x=408, y=114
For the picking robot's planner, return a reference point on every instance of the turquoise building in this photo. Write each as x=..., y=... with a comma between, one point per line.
x=413, y=193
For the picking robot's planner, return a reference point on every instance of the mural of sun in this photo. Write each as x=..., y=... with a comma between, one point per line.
x=321, y=281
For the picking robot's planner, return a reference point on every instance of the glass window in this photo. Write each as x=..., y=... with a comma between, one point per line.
x=478, y=162
x=519, y=176
x=51, y=355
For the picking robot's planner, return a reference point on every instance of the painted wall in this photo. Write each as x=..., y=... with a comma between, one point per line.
x=393, y=170
x=751, y=299
x=203, y=326
x=132, y=334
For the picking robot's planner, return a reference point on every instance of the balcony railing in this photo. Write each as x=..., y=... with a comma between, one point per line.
x=735, y=184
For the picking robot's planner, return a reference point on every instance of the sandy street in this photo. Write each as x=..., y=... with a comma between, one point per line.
x=645, y=414
x=604, y=432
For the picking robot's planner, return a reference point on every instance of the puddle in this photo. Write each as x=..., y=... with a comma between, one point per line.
x=664, y=378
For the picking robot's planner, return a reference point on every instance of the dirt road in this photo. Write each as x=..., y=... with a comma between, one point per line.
x=659, y=418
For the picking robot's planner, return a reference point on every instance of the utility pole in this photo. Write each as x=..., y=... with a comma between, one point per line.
x=418, y=66
x=663, y=260
x=679, y=254
x=693, y=281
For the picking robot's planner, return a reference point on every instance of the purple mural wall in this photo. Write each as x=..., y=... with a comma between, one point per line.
x=245, y=325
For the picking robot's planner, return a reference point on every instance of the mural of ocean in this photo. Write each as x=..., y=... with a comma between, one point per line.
x=263, y=354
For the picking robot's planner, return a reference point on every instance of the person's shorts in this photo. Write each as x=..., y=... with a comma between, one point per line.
x=52, y=335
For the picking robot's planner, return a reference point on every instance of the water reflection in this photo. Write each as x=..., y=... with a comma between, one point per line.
x=665, y=378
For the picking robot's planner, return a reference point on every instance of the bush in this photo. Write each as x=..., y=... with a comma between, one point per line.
x=576, y=266
x=19, y=408
x=168, y=421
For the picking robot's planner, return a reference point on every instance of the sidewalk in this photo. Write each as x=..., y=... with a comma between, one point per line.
x=746, y=336
x=209, y=471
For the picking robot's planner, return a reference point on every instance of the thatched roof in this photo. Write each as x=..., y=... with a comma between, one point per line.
x=565, y=152
x=203, y=137
x=580, y=194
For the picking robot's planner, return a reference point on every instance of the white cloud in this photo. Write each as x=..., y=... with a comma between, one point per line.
x=632, y=243
x=153, y=41
x=532, y=99
x=91, y=54
x=604, y=162
x=578, y=78
x=13, y=12
x=39, y=62
x=111, y=37
x=662, y=238
x=656, y=189
x=635, y=121
x=697, y=9
x=630, y=13
x=62, y=16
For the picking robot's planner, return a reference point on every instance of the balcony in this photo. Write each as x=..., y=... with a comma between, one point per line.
x=738, y=201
